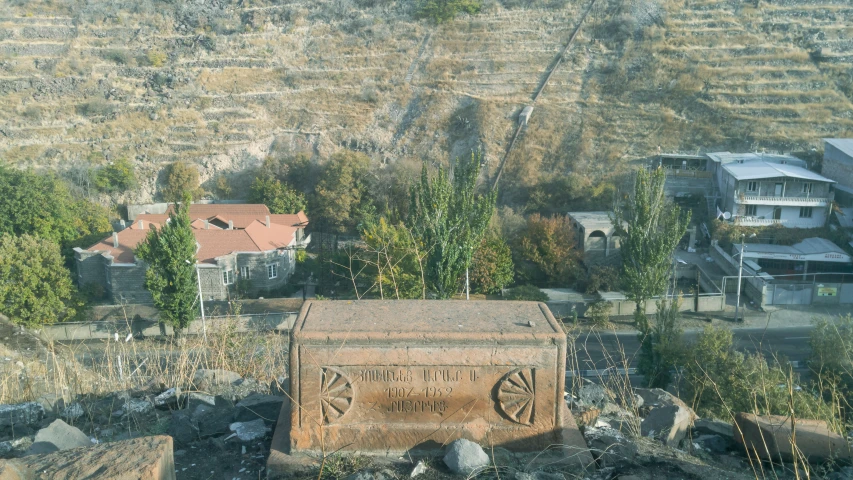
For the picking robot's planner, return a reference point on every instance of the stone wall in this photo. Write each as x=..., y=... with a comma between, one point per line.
x=90, y=268
x=127, y=284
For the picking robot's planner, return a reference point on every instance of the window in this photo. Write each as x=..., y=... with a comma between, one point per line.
x=272, y=271
x=807, y=188
x=805, y=212
x=244, y=273
x=228, y=277
x=751, y=186
x=751, y=210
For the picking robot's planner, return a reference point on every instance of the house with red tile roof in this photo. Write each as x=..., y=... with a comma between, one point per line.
x=236, y=243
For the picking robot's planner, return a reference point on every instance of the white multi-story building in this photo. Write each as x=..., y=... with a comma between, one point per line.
x=760, y=192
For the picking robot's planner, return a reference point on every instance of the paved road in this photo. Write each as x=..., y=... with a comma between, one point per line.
x=600, y=351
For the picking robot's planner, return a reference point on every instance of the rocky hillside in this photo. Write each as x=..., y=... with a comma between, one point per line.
x=223, y=83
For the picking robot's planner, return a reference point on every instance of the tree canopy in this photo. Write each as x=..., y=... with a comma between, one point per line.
x=41, y=205
x=118, y=176
x=340, y=193
x=650, y=228
x=548, y=245
x=35, y=287
x=279, y=197
x=491, y=267
x=449, y=217
x=171, y=278
x=181, y=177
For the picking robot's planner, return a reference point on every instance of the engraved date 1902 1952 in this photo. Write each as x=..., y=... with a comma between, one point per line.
x=429, y=392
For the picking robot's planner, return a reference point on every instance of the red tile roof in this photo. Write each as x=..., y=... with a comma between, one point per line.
x=250, y=234
x=212, y=209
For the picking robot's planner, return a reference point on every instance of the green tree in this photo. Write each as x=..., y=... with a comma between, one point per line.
x=35, y=287
x=181, y=177
x=441, y=11
x=649, y=227
x=118, y=176
x=527, y=292
x=340, y=192
x=277, y=196
x=548, y=244
x=664, y=350
x=392, y=259
x=42, y=206
x=831, y=356
x=449, y=218
x=171, y=277
x=491, y=266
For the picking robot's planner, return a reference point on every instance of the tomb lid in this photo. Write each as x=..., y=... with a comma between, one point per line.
x=427, y=321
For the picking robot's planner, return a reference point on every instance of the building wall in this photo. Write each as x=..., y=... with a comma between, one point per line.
x=90, y=268
x=127, y=283
x=790, y=187
x=837, y=165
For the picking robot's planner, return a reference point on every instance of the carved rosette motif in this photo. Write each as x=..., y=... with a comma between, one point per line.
x=336, y=394
x=516, y=393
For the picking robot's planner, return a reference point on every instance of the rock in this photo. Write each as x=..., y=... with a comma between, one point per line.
x=73, y=411
x=539, y=476
x=56, y=437
x=668, y=424
x=203, y=379
x=712, y=443
x=249, y=431
x=138, y=406
x=212, y=421
x=147, y=458
x=29, y=414
x=656, y=397
x=593, y=394
x=182, y=428
x=769, y=437
x=419, y=469
x=168, y=400
x=586, y=417
x=363, y=475
x=704, y=426
x=609, y=447
x=266, y=407
x=465, y=457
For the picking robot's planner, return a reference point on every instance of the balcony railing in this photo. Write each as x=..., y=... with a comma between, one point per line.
x=792, y=201
x=762, y=222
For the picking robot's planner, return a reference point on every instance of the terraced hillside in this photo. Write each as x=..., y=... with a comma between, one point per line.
x=223, y=83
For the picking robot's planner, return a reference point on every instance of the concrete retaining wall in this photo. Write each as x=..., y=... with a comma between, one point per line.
x=150, y=328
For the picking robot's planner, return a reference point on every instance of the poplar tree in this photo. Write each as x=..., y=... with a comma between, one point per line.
x=649, y=228
x=449, y=217
x=171, y=278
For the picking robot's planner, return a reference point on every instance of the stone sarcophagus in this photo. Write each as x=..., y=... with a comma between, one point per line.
x=392, y=376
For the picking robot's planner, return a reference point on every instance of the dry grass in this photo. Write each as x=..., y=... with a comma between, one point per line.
x=116, y=365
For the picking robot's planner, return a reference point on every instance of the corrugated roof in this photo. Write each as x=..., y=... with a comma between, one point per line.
x=728, y=157
x=758, y=170
x=843, y=144
x=809, y=246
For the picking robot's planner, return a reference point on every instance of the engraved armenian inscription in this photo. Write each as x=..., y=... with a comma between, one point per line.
x=426, y=394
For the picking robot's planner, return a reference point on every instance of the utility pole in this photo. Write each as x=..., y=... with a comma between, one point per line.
x=739, y=277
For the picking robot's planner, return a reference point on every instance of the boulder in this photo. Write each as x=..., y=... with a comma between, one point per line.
x=265, y=407
x=249, y=431
x=58, y=436
x=212, y=421
x=465, y=457
x=712, y=443
x=586, y=417
x=204, y=379
x=182, y=428
x=73, y=411
x=147, y=458
x=769, y=437
x=669, y=424
x=168, y=400
x=609, y=447
x=29, y=414
x=420, y=468
x=593, y=394
x=704, y=426
x=656, y=397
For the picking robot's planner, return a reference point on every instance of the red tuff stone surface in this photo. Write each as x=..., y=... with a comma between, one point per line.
x=769, y=438
x=394, y=376
x=146, y=458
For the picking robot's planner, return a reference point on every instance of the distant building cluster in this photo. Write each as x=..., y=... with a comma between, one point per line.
x=236, y=242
